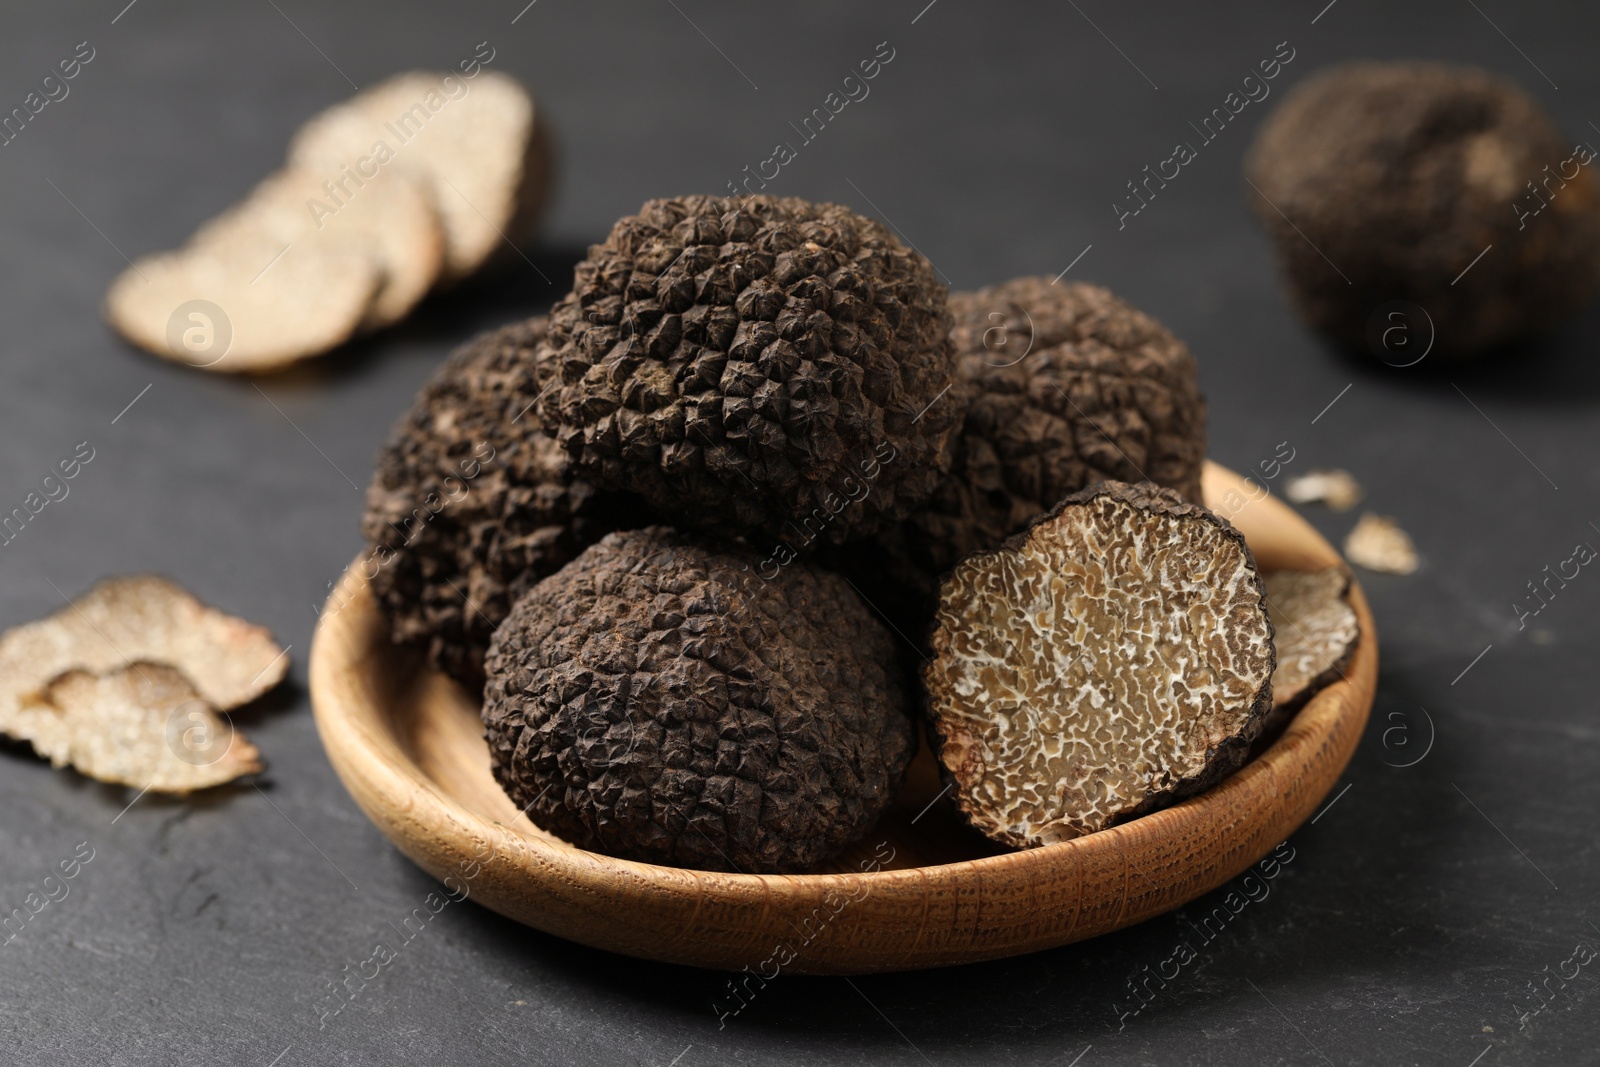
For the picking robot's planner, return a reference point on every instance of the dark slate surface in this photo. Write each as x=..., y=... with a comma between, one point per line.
x=1415, y=912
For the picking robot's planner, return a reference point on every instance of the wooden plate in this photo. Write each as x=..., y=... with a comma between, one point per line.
x=408, y=745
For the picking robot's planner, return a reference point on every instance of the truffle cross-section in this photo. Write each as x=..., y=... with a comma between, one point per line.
x=1114, y=656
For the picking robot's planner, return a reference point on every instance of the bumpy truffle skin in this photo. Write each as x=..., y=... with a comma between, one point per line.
x=471, y=504
x=1400, y=174
x=747, y=365
x=1063, y=385
x=657, y=700
x=1113, y=657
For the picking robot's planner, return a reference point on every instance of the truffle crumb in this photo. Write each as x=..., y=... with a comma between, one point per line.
x=1379, y=544
x=1336, y=488
x=1111, y=658
x=1439, y=186
x=484, y=156
x=757, y=367
x=658, y=701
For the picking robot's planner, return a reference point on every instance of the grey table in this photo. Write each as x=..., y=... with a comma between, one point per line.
x=1419, y=906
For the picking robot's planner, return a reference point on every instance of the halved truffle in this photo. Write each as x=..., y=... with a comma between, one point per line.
x=659, y=701
x=1387, y=182
x=761, y=367
x=472, y=504
x=1115, y=656
x=1063, y=385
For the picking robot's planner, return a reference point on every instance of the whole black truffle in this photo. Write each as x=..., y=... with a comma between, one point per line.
x=471, y=504
x=1063, y=385
x=1385, y=182
x=762, y=367
x=1113, y=657
x=657, y=700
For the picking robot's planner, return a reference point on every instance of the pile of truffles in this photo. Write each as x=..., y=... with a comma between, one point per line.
x=687, y=534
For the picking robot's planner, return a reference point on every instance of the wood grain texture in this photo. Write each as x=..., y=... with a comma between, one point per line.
x=408, y=746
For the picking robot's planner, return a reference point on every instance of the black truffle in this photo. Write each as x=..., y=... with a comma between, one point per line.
x=1383, y=183
x=761, y=367
x=657, y=700
x=471, y=503
x=1063, y=385
x=1113, y=657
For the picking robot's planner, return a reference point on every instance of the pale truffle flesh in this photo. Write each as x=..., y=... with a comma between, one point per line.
x=145, y=726
x=90, y=685
x=1111, y=658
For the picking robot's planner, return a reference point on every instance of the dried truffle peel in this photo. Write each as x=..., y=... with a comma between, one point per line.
x=659, y=701
x=1401, y=174
x=1113, y=657
x=470, y=505
x=765, y=367
x=1064, y=385
x=1316, y=631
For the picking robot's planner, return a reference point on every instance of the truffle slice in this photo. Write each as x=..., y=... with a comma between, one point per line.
x=389, y=217
x=477, y=144
x=1111, y=658
x=143, y=618
x=1063, y=385
x=472, y=504
x=657, y=700
x=97, y=672
x=1316, y=631
x=1386, y=182
x=761, y=367
x=246, y=306
x=145, y=726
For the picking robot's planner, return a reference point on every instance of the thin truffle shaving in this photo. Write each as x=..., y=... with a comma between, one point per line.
x=145, y=726
x=1316, y=631
x=125, y=683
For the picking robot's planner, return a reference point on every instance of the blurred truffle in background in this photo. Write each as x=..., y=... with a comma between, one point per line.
x=1441, y=186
